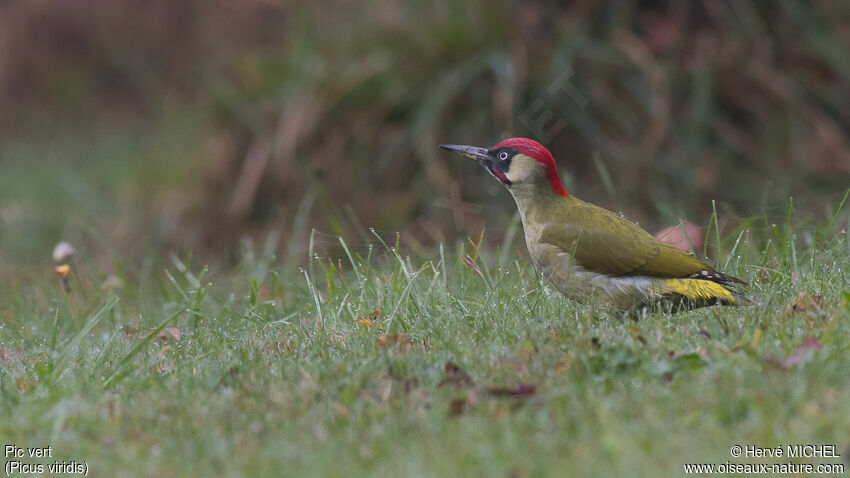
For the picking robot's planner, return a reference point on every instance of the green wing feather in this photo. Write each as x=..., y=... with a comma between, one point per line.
x=601, y=241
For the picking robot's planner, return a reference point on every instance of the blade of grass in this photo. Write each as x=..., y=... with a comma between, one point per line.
x=120, y=370
x=89, y=325
x=838, y=211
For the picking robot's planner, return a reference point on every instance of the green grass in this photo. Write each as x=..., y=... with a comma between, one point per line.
x=273, y=375
x=118, y=190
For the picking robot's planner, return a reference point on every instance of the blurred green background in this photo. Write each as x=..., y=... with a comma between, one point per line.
x=130, y=128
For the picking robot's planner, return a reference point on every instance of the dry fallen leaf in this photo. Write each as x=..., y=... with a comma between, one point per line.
x=342, y=410
x=463, y=400
x=466, y=391
x=684, y=236
x=467, y=394
x=170, y=333
x=279, y=347
x=457, y=406
x=811, y=343
x=386, y=341
x=7, y=353
x=518, y=389
x=455, y=377
x=373, y=318
x=806, y=303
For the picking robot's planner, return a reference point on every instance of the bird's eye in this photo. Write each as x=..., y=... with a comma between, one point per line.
x=503, y=155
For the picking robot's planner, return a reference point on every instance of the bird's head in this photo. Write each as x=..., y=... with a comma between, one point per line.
x=516, y=162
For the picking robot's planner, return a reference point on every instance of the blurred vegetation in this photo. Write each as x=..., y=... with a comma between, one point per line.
x=231, y=129
x=284, y=116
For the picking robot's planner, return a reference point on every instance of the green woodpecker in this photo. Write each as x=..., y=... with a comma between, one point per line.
x=589, y=253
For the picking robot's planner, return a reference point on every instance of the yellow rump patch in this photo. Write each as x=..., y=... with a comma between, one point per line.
x=696, y=289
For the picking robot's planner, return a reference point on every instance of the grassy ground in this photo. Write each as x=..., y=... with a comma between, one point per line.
x=370, y=363
x=376, y=364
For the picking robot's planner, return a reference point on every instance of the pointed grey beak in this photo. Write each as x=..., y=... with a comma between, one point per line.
x=471, y=152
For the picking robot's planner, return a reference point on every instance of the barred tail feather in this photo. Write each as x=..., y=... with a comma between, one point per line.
x=715, y=276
